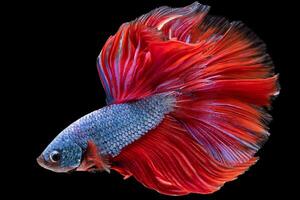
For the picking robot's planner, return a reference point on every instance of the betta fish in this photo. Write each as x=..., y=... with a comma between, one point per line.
x=187, y=104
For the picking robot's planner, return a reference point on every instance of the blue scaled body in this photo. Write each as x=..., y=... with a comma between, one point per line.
x=115, y=126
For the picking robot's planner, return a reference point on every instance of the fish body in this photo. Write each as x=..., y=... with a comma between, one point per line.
x=113, y=127
x=187, y=95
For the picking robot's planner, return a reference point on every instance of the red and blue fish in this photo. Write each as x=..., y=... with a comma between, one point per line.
x=187, y=97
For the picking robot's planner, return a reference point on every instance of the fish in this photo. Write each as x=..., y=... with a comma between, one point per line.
x=188, y=97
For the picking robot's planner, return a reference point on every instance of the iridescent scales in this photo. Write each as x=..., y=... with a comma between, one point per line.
x=114, y=127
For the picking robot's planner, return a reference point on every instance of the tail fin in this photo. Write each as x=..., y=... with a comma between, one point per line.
x=224, y=79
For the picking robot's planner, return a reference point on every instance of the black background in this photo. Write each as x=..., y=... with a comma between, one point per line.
x=57, y=82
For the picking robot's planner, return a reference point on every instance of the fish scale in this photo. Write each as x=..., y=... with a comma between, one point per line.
x=114, y=127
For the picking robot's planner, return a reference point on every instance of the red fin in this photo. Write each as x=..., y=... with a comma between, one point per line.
x=125, y=63
x=231, y=131
x=92, y=160
x=190, y=49
x=176, y=23
x=224, y=80
x=169, y=161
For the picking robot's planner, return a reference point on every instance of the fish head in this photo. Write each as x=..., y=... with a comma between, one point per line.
x=61, y=155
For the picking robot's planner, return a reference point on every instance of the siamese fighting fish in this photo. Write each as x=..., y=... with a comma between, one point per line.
x=187, y=104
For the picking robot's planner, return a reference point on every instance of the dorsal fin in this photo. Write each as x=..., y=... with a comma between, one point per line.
x=127, y=63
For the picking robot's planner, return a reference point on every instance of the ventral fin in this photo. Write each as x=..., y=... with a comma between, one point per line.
x=93, y=161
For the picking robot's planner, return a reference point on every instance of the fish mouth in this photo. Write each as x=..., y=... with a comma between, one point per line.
x=53, y=166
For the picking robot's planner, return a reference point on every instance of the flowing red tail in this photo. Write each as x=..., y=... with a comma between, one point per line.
x=224, y=81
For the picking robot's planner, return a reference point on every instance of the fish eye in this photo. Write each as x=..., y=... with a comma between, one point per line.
x=54, y=156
